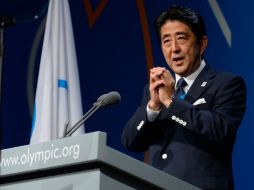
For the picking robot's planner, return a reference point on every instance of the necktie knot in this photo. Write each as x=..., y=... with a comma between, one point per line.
x=180, y=93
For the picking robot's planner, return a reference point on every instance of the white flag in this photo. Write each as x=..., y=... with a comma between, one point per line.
x=58, y=99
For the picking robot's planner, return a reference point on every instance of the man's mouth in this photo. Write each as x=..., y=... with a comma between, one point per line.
x=178, y=60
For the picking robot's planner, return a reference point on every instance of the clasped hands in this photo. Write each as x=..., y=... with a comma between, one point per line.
x=162, y=87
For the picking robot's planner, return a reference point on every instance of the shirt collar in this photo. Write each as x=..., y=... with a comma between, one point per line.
x=190, y=79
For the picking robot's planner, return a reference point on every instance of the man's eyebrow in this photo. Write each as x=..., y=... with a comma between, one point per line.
x=165, y=36
x=182, y=33
x=177, y=33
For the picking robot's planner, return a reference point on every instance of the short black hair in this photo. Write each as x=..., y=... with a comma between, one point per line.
x=185, y=15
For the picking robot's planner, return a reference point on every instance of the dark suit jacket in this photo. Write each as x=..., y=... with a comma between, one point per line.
x=196, y=134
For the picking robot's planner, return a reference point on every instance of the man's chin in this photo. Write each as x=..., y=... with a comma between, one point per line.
x=180, y=70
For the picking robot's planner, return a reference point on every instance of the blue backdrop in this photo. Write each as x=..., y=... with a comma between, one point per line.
x=116, y=43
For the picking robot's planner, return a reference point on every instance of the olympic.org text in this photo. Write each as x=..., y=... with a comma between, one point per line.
x=29, y=157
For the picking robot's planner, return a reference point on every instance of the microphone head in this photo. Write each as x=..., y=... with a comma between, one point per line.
x=109, y=99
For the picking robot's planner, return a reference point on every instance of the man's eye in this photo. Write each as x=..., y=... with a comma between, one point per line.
x=181, y=37
x=167, y=41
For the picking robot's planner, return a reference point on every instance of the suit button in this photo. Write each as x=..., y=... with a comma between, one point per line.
x=164, y=156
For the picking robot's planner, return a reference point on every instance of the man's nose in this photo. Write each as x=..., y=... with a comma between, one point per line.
x=175, y=46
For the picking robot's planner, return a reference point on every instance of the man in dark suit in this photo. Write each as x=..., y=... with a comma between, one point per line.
x=188, y=122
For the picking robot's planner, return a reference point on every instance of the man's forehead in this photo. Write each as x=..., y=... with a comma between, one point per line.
x=175, y=28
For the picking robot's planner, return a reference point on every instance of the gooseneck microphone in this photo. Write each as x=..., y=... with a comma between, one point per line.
x=109, y=99
x=104, y=100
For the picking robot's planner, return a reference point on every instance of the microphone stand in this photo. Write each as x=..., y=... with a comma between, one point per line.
x=110, y=98
x=95, y=107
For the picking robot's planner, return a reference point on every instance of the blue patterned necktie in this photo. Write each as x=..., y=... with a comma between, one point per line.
x=181, y=83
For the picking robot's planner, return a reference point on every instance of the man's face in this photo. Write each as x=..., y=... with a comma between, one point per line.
x=180, y=48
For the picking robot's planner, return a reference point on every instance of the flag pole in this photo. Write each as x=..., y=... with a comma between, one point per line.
x=5, y=21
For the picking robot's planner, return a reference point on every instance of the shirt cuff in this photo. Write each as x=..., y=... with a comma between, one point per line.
x=151, y=114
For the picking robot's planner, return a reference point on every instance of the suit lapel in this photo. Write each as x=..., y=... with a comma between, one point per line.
x=201, y=83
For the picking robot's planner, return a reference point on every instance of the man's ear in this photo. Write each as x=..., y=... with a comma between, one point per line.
x=203, y=44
